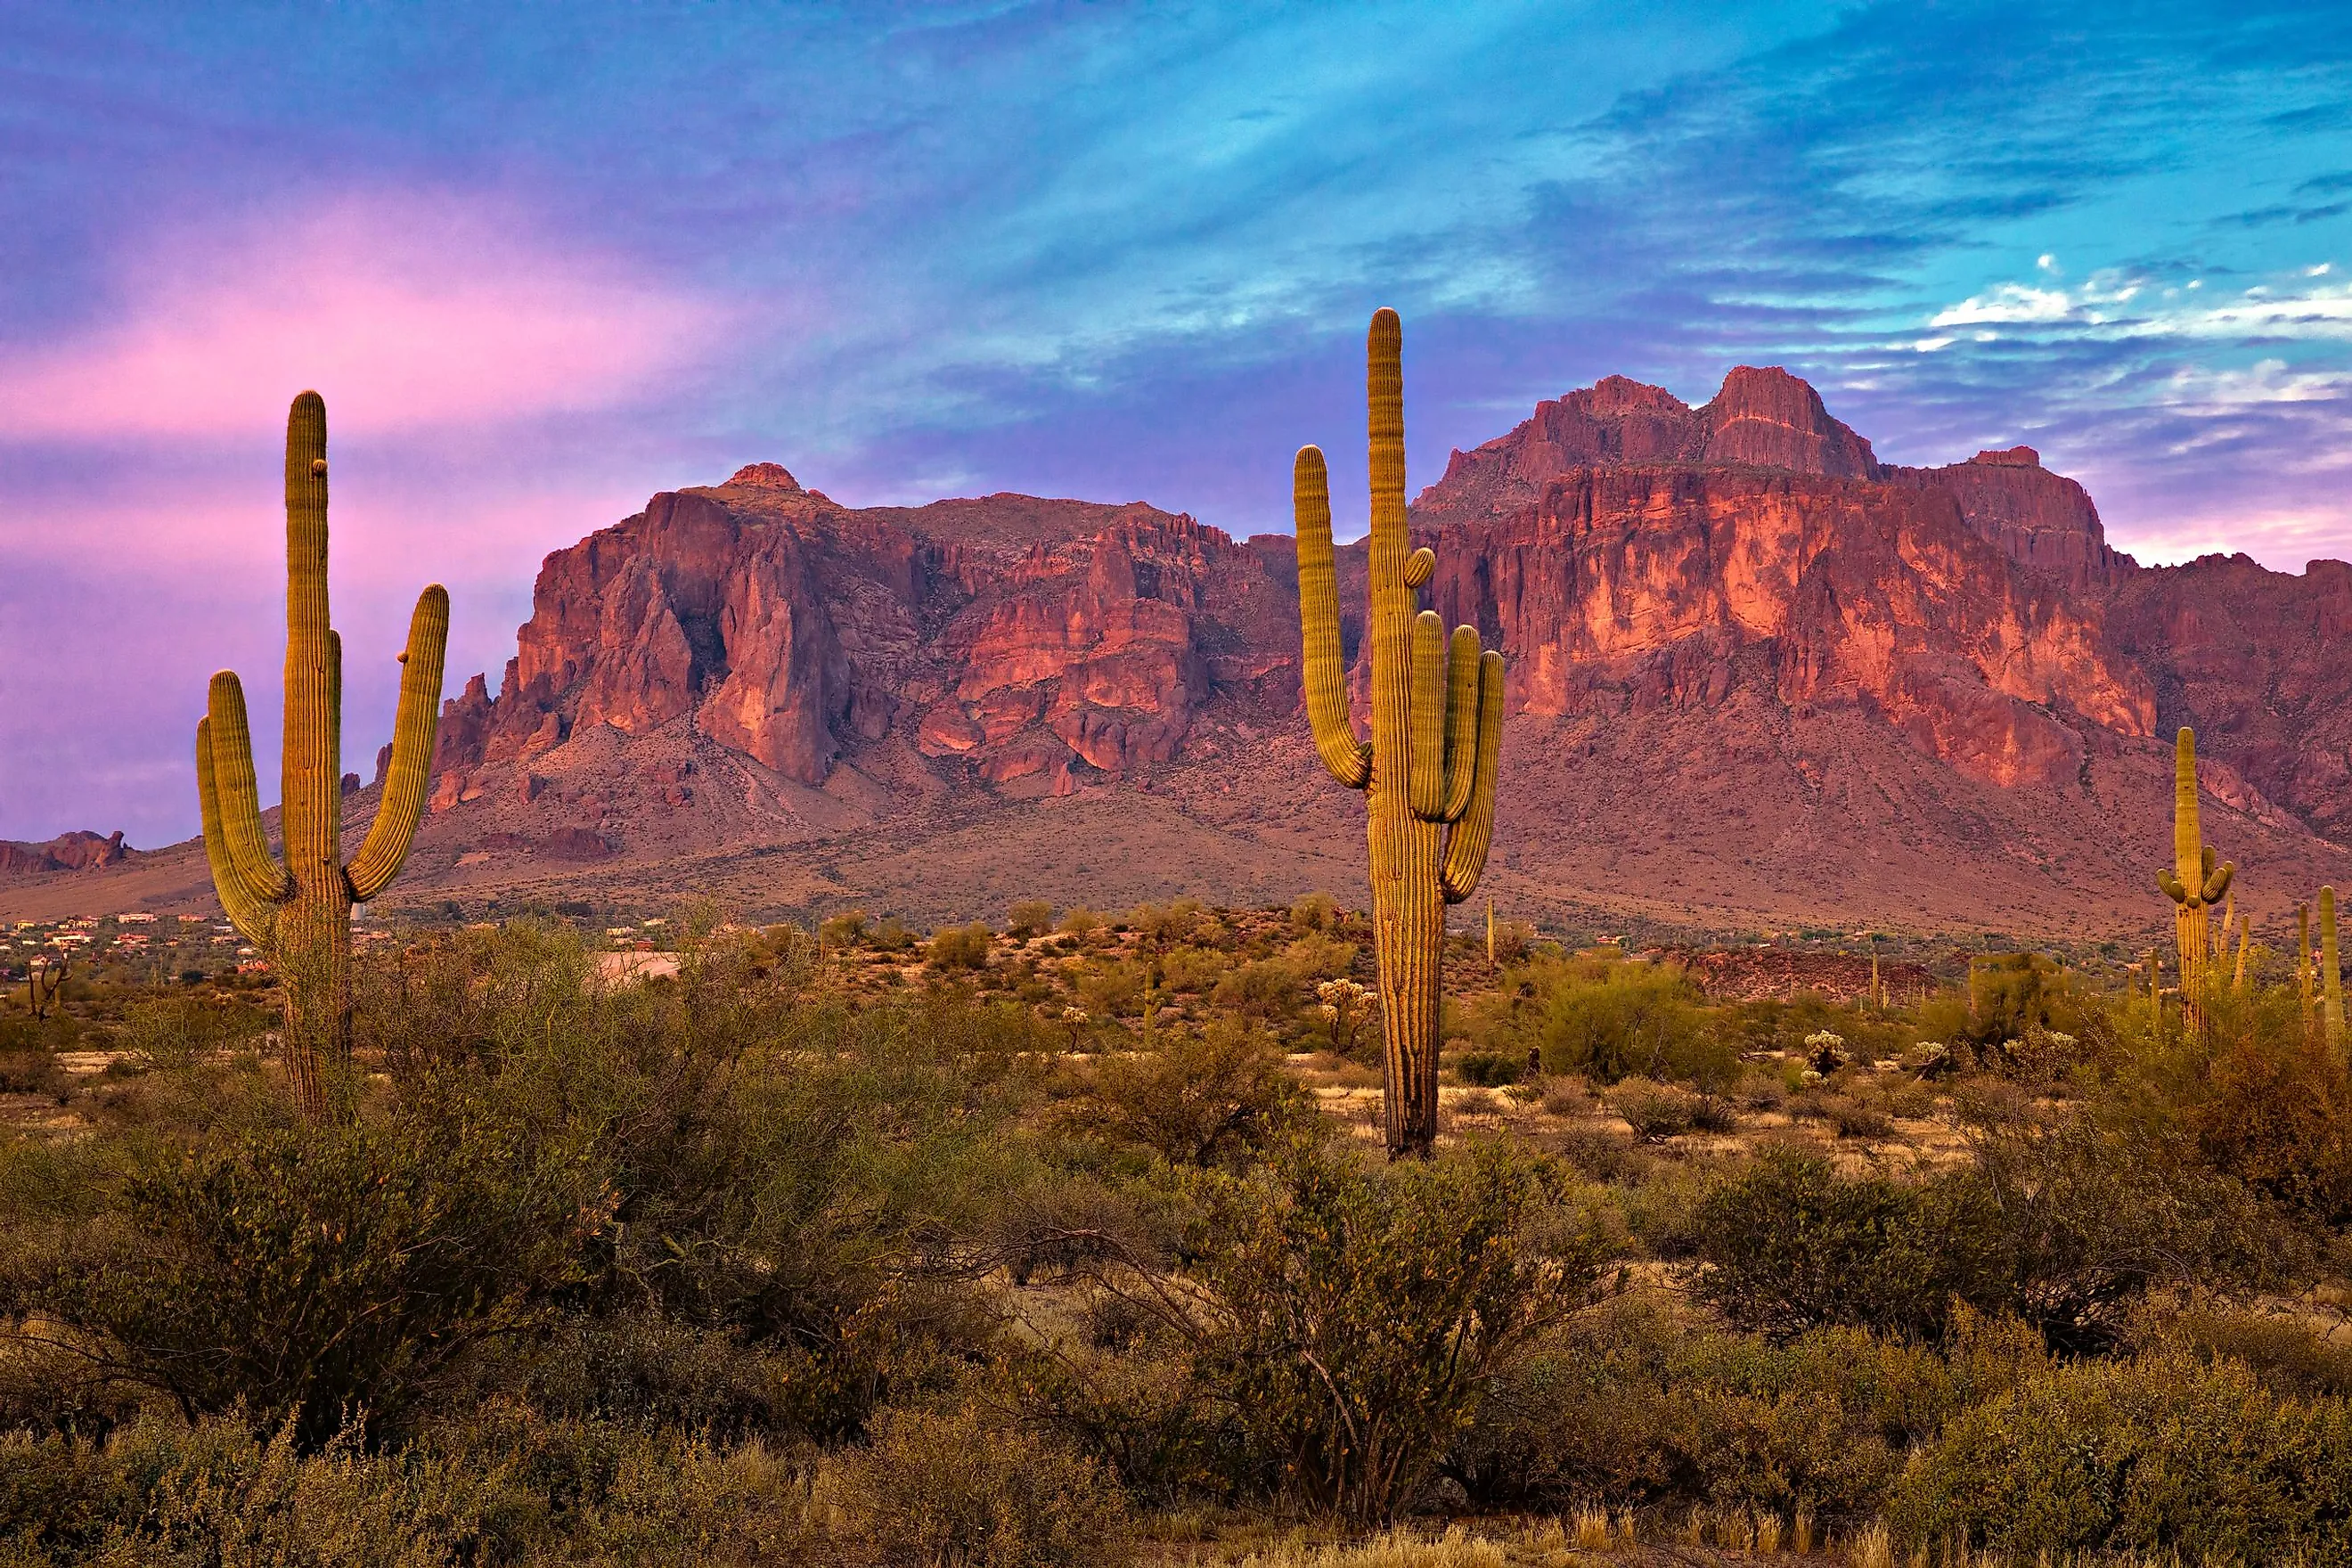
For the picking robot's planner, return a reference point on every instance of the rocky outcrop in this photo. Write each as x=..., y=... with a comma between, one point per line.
x=2039, y=518
x=1763, y=418
x=2254, y=660
x=79, y=851
x=1006, y=639
x=1641, y=585
x=1747, y=566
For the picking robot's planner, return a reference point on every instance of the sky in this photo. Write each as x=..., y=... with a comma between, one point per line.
x=543, y=261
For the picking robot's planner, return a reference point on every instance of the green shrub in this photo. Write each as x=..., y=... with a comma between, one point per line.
x=307, y=1275
x=2089, y=1218
x=1487, y=1069
x=964, y=1487
x=1265, y=991
x=1352, y=1317
x=960, y=947
x=1027, y=918
x=1314, y=913
x=1638, y=1405
x=1787, y=1245
x=843, y=930
x=1609, y=1018
x=1200, y=1098
x=2160, y=1455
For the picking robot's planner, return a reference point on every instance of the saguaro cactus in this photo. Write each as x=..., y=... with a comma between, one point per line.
x=2331, y=973
x=300, y=912
x=1437, y=727
x=2193, y=881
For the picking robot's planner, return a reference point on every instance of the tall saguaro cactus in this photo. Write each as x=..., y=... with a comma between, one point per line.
x=2193, y=881
x=300, y=912
x=1437, y=728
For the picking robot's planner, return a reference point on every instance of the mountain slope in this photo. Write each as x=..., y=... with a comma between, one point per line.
x=1758, y=677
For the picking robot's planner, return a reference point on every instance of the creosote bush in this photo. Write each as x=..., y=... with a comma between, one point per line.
x=785, y=1259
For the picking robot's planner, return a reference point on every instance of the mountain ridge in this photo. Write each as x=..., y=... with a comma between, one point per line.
x=1757, y=675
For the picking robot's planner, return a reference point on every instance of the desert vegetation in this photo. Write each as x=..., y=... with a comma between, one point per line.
x=1073, y=1237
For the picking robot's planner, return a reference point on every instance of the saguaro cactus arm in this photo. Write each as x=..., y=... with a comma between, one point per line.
x=2188, y=838
x=255, y=919
x=1426, y=759
x=1467, y=841
x=1345, y=755
x=396, y=815
x=258, y=878
x=1462, y=677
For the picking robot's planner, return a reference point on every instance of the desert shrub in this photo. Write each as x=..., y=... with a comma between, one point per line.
x=1639, y=1407
x=960, y=947
x=1787, y=1245
x=1314, y=913
x=2089, y=1217
x=1313, y=958
x=507, y=1488
x=1853, y=1115
x=1193, y=968
x=1653, y=1110
x=1113, y=990
x=962, y=1486
x=1200, y=1097
x=1265, y=991
x=1489, y=1069
x=1166, y=925
x=1609, y=1018
x=1351, y=1317
x=305, y=1274
x=2288, y=1353
x=1130, y=1394
x=1026, y=918
x=2013, y=995
x=1081, y=922
x=2271, y=1107
x=642, y=1368
x=890, y=935
x=2160, y=1455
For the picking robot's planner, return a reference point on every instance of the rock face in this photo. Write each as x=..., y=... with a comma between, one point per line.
x=1009, y=640
x=67, y=852
x=1781, y=672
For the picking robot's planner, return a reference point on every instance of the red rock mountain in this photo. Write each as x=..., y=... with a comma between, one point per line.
x=1756, y=676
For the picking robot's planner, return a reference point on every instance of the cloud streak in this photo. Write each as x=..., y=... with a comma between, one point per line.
x=406, y=311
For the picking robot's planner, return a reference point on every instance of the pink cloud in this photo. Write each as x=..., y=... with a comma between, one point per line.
x=404, y=311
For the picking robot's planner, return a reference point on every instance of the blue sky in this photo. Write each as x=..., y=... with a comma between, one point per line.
x=546, y=260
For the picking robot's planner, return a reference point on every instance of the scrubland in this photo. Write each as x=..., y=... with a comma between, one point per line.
x=1067, y=1239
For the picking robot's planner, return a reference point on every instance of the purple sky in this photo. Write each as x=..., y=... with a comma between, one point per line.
x=545, y=262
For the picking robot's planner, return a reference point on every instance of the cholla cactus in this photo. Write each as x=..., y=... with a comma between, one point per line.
x=1342, y=1003
x=299, y=914
x=1437, y=727
x=2193, y=881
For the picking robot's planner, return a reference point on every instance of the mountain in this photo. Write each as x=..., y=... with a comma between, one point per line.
x=1757, y=677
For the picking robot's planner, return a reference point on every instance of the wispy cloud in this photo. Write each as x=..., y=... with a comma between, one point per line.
x=406, y=310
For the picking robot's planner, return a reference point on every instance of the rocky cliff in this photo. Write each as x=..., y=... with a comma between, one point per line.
x=1755, y=675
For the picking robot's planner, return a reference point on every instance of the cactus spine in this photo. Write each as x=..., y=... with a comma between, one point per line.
x=2193, y=881
x=2331, y=977
x=1437, y=726
x=2303, y=970
x=300, y=913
